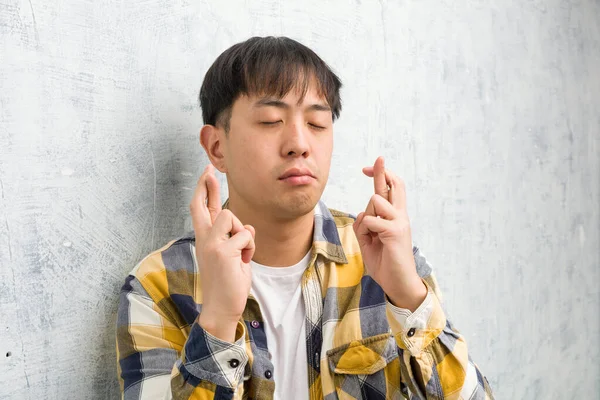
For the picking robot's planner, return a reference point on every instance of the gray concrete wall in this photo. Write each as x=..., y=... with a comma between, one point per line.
x=489, y=110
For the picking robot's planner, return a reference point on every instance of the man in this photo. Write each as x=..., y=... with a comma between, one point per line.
x=275, y=295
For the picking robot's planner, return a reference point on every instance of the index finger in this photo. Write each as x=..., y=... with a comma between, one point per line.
x=214, y=194
x=379, y=181
x=201, y=219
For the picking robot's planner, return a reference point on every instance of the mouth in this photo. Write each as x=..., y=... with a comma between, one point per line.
x=297, y=176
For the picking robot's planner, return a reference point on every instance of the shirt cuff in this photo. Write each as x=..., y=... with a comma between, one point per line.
x=209, y=358
x=415, y=331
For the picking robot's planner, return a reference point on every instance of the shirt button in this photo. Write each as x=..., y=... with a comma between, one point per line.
x=255, y=324
x=233, y=363
x=268, y=374
x=411, y=332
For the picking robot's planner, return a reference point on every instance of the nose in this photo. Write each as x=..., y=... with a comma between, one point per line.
x=296, y=141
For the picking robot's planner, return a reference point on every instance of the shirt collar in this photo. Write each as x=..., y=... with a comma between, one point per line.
x=326, y=239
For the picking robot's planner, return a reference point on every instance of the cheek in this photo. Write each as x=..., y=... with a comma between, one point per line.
x=323, y=150
x=252, y=157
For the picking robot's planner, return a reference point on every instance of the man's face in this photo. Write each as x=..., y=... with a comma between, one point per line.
x=278, y=152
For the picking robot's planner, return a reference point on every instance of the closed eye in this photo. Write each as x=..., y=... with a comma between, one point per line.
x=317, y=127
x=270, y=122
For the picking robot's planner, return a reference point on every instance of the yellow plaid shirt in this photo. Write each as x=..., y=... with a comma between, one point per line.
x=359, y=346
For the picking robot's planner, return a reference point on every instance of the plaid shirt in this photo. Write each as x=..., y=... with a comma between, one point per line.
x=359, y=346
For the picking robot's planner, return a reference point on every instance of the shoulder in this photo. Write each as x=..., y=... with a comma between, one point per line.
x=169, y=269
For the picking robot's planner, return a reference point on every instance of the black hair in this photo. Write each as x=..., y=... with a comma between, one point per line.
x=270, y=66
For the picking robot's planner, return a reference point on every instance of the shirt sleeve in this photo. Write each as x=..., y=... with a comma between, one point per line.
x=435, y=363
x=156, y=361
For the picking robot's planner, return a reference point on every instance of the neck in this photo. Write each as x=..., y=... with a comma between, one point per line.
x=279, y=242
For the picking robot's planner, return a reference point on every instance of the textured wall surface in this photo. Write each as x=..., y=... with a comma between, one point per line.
x=489, y=110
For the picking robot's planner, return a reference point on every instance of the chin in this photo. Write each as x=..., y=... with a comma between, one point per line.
x=298, y=204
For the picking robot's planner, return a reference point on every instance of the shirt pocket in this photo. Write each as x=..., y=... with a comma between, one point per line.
x=359, y=367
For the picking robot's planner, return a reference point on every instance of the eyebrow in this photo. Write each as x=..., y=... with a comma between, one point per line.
x=270, y=102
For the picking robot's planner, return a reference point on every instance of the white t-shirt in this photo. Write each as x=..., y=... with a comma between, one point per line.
x=278, y=291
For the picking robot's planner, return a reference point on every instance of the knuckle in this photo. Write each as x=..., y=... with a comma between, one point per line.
x=223, y=215
x=235, y=219
x=219, y=251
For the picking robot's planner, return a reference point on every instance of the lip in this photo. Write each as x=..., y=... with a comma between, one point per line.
x=297, y=176
x=297, y=172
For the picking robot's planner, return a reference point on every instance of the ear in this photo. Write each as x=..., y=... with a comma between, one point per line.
x=211, y=138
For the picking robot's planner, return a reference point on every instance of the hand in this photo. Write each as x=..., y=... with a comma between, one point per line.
x=224, y=248
x=384, y=237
